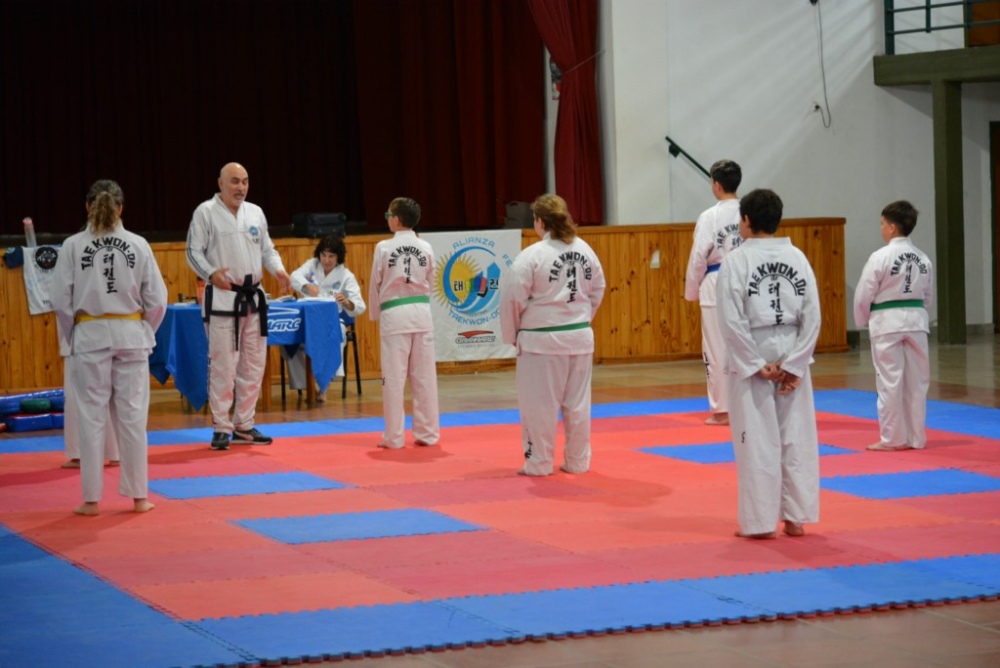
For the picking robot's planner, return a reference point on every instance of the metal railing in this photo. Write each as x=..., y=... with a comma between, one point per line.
x=929, y=9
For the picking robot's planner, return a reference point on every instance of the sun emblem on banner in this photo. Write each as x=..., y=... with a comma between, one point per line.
x=464, y=286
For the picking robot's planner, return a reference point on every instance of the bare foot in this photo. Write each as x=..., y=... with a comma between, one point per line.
x=71, y=464
x=143, y=506
x=718, y=419
x=882, y=447
x=114, y=462
x=88, y=509
x=757, y=536
x=794, y=529
x=566, y=470
x=532, y=475
x=424, y=444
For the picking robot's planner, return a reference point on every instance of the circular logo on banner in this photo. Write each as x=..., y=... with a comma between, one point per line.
x=468, y=284
x=45, y=258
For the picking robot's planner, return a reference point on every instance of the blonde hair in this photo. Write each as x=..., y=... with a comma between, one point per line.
x=555, y=217
x=104, y=202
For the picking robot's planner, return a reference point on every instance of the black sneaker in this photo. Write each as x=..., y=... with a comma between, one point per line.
x=220, y=441
x=250, y=437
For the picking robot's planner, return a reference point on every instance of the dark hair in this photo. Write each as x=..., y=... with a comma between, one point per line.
x=104, y=200
x=762, y=208
x=407, y=210
x=727, y=174
x=333, y=243
x=555, y=217
x=901, y=214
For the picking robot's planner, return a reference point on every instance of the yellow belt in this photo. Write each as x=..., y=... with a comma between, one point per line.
x=86, y=317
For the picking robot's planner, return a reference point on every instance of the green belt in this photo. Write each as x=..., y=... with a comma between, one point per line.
x=559, y=328
x=899, y=303
x=416, y=299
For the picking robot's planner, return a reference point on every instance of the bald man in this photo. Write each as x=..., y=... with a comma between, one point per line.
x=229, y=247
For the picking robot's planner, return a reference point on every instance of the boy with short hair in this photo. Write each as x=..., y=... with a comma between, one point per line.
x=715, y=234
x=769, y=316
x=399, y=300
x=894, y=293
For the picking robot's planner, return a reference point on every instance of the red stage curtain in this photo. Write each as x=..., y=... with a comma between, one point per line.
x=569, y=30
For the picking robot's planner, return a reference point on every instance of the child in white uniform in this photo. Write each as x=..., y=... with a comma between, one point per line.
x=325, y=277
x=399, y=300
x=894, y=293
x=770, y=319
x=109, y=298
x=716, y=233
x=548, y=300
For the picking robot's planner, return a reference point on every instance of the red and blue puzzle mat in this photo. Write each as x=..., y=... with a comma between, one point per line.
x=323, y=546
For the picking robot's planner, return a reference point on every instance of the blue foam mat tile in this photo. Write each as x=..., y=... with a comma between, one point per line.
x=614, y=607
x=116, y=646
x=912, y=484
x=355, y=526
x=840, y=588
x=15, y=550
x=241, y=485
x=982, y=570
x=27, y=444
x=720, y=453
x=646, y=408
x=355, y=631
x=942, y=415
x=474, y=418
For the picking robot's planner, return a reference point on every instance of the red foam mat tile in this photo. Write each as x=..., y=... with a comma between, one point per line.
x=583, y=535
x=923, y=542
x=842, y=512
x=272, y=594
x=222, y=563
x=983, y=506
x=508, y=488
x=370, y=556
x=499, y=576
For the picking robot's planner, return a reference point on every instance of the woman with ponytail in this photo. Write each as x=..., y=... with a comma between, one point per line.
x=547, y=301
x=109, y=299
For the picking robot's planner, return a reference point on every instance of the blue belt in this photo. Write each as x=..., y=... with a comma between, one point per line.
x=712, y=267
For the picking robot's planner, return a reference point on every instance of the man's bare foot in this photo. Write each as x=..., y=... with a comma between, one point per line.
x=882, y=447
x=143, y=506
x=566, y=470
x=88, y=509
x=71, y=464
x=757, y=536
x=718, y=419
x=794, y=529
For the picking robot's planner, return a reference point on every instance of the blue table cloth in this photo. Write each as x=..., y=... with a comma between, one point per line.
x=182, y=344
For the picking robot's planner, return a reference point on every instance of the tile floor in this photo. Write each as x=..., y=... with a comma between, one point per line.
x=956, y=636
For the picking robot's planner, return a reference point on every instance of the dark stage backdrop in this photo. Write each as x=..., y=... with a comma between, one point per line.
x=332, y=105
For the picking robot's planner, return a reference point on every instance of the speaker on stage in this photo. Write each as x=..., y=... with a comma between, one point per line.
x=316, y=225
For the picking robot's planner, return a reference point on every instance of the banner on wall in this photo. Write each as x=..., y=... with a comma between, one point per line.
x=466, y=302
x=39, y=263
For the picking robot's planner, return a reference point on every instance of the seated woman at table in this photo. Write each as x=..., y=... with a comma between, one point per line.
x=325, y=277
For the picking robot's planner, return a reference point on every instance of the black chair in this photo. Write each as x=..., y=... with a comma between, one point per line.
x=350, y=341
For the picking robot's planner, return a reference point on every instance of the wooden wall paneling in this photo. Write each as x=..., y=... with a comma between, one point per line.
x=644, y=316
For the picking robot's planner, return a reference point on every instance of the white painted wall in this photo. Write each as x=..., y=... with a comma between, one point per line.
x=738, y=79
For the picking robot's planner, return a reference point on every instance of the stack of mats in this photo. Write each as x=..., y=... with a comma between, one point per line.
x=322, y=546
x=35, y=411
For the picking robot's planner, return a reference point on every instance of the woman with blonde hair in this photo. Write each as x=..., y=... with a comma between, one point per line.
x=547, y=301
x=109, y=298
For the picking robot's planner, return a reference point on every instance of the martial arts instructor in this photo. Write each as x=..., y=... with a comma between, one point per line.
x=229, y=247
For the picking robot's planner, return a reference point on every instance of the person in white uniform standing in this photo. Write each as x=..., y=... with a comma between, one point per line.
x=548, y=299
x=769, y=316
x=399, y=300
x=894, y=293
x=716, y=233
x=326, y=277
x=229, y=247
x=109, y=299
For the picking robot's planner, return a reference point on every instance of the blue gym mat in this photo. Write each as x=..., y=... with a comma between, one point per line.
x=353, y=526
x=911, y=484
x=720, y=453
x=240, y=485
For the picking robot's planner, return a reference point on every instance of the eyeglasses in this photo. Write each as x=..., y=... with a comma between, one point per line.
x=389, y=214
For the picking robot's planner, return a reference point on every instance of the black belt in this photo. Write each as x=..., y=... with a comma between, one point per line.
x=249, y=299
